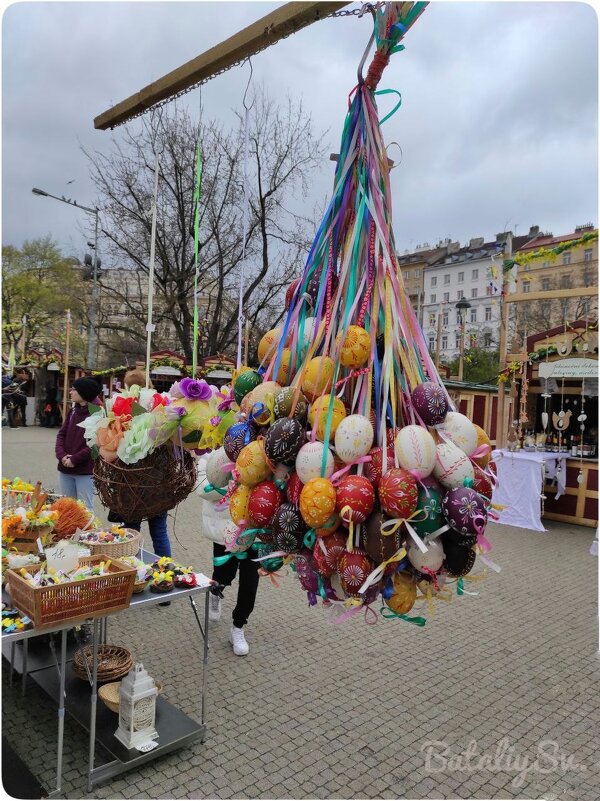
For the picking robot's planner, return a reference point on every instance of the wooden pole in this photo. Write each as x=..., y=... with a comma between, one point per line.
x=246, y=338
x=150, y=325
x=501, y=407
x=66, y=366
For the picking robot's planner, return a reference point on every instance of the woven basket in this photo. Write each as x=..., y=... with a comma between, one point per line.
x=114, y=662
x=140, y=586
x=109, y=694
x=147, y=488
x=115, y=549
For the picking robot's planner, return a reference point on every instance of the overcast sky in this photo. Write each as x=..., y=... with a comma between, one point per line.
x=498, y=124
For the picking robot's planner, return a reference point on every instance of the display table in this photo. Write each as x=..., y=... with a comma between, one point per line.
x=80, y=700
x=521, y=479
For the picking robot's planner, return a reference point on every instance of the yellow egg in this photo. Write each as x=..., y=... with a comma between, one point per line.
x=482, y=439
x=264, y=393
x=405, y=593
x=320, y=408
x=317, y=502
x=283, y=373
x=268, y=343
x=356, y=347
x=252, y=464
x=318, y=377
x=238, y=504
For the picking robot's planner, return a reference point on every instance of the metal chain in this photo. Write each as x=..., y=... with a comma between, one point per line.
x=354, y=12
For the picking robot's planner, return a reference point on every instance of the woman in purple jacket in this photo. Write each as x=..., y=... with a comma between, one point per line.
x=75, y=463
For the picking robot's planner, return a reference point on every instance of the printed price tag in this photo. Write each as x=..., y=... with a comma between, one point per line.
x=149, y=746
x=63, y=557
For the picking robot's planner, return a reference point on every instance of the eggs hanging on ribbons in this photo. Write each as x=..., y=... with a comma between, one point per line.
x=415, y=449
x=356, y=347
x=355, y=499
x=283, y=440
x=430, y=402
x=252, y=464
x=310, y=459
x=268, y=344
x=325, y=408
x=452, y=466
x=245, y=383
x=464, y=510
x=237, y=437
x=317, y=502
x=461, y=431
x=327, y=553
x=216, y=474
x=398, y=493
x=353, y=568
x=353, y=438
x=318, y=377
x=265, y=499
x=238, y=504
x=284, y=400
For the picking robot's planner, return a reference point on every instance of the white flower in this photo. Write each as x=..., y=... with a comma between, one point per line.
x=91, y=425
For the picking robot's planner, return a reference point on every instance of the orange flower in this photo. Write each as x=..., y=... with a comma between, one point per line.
x=109, y=438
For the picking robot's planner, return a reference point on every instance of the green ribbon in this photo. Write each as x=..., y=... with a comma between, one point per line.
x=396, y=107
x=221, y=560
x=196, y=250
x=460, y=586
x=210, y=488
x=386, y=612
x=310, y=538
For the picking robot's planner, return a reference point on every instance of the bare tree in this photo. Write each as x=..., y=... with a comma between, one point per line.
x=283, y=153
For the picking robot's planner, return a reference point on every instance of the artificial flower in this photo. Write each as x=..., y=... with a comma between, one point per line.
x=195, y=389
x=227, y=399
x=108, y=439
x=137, y=442
x=122, y=405
x=175, y=391
x=159, y=400
x=91, y=425
x=145, y=398
x=174, y=412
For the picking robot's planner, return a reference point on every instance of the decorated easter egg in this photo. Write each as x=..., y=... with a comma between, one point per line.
x=318, y=377
x=355, y=499
x=215, y=473
x=353, y=438
x=252, y=464
x=461, y=431
x=373, y=470
x=238, y=504
x=330, y=526
x=309, y=460
x=450, y=538
x=317, y=502
x=327, y=553
x=293, y=489
x=459, y=560
x=307, y=574
x=288, y=529
x=315, y=282
x=432, y=560
x=265, y=500
x=283, y=440
x=290, y=292
x=236, y=437
x=356, y=347
x=482, y=484
x=258, y=402
x=353, y=568
x=379, y=547
x=268, y=344
x=390, y=436
x=492, y=469
x=319, y=411
x=308, y=330
x=482, y=439
x=404, y=593
x=429, y=507
x=430, y=402
x=398, y=493
x=245, y=383
x=236, y=541
x=284, y=374
x=415, y=449
x=464, y=510
x=452, y=465
x=284, y=400
x=264, y=549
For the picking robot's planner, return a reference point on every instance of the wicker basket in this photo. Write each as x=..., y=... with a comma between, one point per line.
x=109, y=694
x=140, y=586
x=115, y=549
x=147, y=488
x=77, y=600
x=114, y=662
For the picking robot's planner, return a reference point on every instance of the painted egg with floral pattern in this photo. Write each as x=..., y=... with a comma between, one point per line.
x=265, y=500
x=289, y=293
x=317, y=502
x=327, y=552
x=252, y=464
x=482, y=439
x=373, y=470
x=236, y=437
x=293, y=489
x=317, y=377
x=284, y=370
x=264, y=549
x=415, y=449
x=452, y=465
x=245, y=383
x=482, y=484
x=460, y=430
x=284, y=400
x=398, y=493
x=430, y=402
x=319, y=412
x=306, y=572
x=464, y=510
x=288, y=528
x=432, y=560
x=356, y=347
x=404, y=594
x=283, y=440
x=257, y=403
x=268, y=344
x=238, y=541
x=459, y=560
x=353, y=438
x=309, y=461
x=215, y=473
x=353, y=568
x=429, y=506
x=238, y=504
x=355, y=499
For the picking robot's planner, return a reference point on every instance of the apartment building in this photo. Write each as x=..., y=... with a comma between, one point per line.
x=412, y=267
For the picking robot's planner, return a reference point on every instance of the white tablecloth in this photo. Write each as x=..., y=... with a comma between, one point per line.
x=520, y=485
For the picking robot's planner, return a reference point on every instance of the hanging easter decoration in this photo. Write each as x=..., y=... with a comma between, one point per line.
x=353, y=437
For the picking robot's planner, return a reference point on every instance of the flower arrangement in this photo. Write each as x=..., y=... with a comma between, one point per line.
x=72, y=515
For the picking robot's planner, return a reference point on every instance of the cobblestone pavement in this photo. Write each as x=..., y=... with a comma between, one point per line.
x=350, y=711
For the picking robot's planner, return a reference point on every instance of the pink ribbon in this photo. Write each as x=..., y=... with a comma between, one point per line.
x=335, y=478
x=480, y=528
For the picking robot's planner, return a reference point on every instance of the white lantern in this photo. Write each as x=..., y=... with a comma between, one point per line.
x=137, y=708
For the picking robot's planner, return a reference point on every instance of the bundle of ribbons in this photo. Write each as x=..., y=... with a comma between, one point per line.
x=349, y=461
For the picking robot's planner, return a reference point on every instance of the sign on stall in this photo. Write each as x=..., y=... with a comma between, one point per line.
x=569, y=368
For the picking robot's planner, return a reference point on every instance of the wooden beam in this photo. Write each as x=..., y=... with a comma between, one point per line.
x=285, y=20
x=552, y=294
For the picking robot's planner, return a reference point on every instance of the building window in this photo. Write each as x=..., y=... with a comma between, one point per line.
x=545, y=284
x=406, y=275
x=488, y=313
x=431, y=320
x=431, y=344
x=446, y=296
x=526, y=286
x=587, y=254
x=461, y=278
x=445, y=318
x=432, y=298
x=474, y=274
x=473, y=315
x=585, y=306
x=444, y=343
x=565, y=281
x=447, y=278
x=457, y=341
x=487, y=340
x=417, y=273
x=458, y=318
x=461, y=294
x=567, y=257
x=588, y=276
x=434, y=280
x=474, y=292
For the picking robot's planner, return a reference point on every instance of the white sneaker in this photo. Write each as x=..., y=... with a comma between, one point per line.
x=237, y=639
x=214, y=607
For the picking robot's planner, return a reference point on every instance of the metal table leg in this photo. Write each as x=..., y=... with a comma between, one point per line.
x=12, y=663
x=204, y=633
x=94, y=700
x=61, y=714
x=24, y=675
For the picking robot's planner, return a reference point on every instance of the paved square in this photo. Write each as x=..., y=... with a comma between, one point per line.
x=356, y=711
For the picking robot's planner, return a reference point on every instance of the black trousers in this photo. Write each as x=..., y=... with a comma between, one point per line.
x=247, y=586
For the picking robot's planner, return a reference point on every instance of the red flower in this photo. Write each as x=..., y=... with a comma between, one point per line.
x=158, y=400
x=122, y=405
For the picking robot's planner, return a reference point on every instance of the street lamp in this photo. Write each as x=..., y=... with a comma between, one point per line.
x=91, y=351
x=461, y=307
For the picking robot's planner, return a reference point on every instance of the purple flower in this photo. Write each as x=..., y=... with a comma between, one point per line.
x=174, y=412
x=228, y=400
x=175, y=391
x=214, y=421
x=193, y=389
